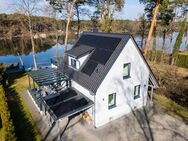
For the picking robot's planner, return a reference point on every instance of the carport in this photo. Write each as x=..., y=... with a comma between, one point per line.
x=60, y=101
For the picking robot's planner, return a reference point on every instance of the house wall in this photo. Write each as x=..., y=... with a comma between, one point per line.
x=124, y=88
x=79, y=62
x=82, y=59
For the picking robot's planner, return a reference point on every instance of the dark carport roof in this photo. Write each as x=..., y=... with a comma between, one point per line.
x=67, y=103
x=47, y=76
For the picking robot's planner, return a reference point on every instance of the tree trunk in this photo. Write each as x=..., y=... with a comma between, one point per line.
x=78, y=19
x=154, y=53
x=142, y=40
x=187, y=38
x=154, y=21
x=163, y=46
x=21, y=59
x=106, y=20
x=57, y=52
x=67, y=27
x=178, y=42
x=32, y=43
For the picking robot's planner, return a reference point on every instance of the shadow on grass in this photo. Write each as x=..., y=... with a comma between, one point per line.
x=23, y=127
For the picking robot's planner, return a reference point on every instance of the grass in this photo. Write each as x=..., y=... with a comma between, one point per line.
x=172, y=106
x=25, y=127
x=1, y=135
x=184, y=53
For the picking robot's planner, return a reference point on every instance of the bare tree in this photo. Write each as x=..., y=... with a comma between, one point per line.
x=29, y=8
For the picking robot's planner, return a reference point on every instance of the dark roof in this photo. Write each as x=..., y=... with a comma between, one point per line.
x=107, y=47
x=79, y=50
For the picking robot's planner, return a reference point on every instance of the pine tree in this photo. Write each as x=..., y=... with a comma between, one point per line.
x=178, y=42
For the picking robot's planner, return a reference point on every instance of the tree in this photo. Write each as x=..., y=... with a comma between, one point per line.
x=78, y=10
x=143, y=28
x=29, y=8
x=54, y=14
x=178, y=42
x=67, y=5
x=151, y=5
x=105, y=10
x=185, y=13
x=166, y=16
x=154, y=47
x=186, y=40
x=154, y=6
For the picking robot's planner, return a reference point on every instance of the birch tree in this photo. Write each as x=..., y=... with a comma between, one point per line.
x=29, y=8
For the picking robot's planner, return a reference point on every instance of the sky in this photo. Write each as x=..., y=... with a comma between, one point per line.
x=132, y=10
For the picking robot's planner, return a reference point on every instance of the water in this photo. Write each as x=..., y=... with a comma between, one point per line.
x=46, y=49
x=168, y=43
x=43, y=57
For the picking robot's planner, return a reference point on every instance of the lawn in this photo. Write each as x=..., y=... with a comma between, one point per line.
x=25, y=127
x=172, y=106
x=1, y=135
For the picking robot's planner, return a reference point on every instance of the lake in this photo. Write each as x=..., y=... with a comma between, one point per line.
x=47, y=48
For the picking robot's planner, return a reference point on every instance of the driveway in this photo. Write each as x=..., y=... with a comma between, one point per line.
x=152, y=123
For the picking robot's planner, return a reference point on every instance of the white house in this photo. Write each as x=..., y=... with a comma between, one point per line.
x=111, y=71
x=104, y=75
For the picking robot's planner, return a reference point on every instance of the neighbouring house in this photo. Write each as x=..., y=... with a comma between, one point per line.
x=104, y=75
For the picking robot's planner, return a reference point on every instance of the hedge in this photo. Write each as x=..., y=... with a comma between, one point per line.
x=182, y=60
x=7, y=124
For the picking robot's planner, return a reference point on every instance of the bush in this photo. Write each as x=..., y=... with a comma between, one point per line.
x=7, y=125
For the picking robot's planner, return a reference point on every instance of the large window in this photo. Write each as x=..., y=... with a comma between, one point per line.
x=111, y=100
x=136, y=91
x=73, y=63
x=126, y=70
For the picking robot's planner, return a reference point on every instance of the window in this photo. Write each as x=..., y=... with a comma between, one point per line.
x=126, y=70
x=111, y=100
x=136, y=91
x=73, y=63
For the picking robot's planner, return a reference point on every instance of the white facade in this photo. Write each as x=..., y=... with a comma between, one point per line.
x=123, y=88
x=79, y=61
x=87, y=93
